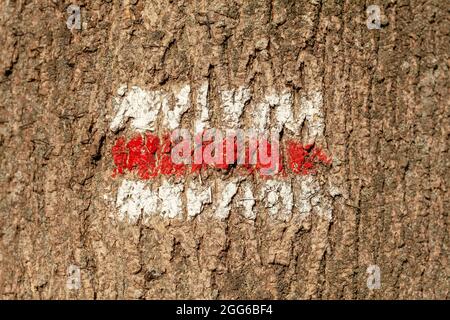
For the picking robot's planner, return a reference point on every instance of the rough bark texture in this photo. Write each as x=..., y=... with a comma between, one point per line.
x=386, y=106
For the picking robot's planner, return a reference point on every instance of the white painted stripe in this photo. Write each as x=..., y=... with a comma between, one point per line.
x=260, y=116
x=310, y=198
x=226, y=191
x=283, y=111
x=233, y=102
x=170, y=197
x=141, y=106
x=135, y=198
x=248, y=201
x=197, y=196
x=278, y=198
x=172, y=117
x=310, y=110
x=202, y=122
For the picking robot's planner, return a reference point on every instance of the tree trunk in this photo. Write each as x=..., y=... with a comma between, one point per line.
x=376, y=101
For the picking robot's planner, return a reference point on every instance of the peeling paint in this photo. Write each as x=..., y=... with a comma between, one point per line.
x=260, y=116
x=171, y=201
x=278, y=198
x=202, y=109
x=141, y=106
x=311, y=200
x=135, y=198
x=283, y=110
x=172, y=117
x=248, y=201
x=233, y=102
x=197, y=196
x=226, y=191
x=311, y=111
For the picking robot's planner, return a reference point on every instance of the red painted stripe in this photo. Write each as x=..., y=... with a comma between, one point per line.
x=303, y=159
x=149, y=156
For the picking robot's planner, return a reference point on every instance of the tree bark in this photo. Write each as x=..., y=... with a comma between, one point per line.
x=386, y=115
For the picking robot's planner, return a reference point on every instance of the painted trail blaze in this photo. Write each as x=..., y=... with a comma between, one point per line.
x=236, y=151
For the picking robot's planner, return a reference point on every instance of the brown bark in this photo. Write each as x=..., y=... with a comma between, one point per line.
x=386, y=104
